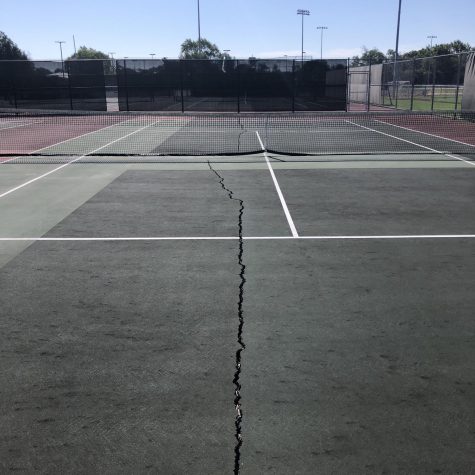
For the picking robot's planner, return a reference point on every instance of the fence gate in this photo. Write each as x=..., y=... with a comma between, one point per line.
x=359, y=88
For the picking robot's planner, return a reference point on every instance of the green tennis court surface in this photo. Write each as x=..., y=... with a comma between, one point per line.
x=263, y=313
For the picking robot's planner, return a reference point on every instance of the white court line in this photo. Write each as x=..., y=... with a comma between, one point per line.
x=18, y=126
x=64, y=141
x=279, y=192
x=72, y=161
x=425, y=133
x=247, y=238
x=412, y=143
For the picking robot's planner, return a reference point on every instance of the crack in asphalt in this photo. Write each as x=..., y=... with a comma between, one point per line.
x=240, y=341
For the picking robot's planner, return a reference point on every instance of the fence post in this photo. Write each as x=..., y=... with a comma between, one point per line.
x=126, y=87
x=348, y=87
x=433, y=84
x=396, y=82
x=413, y=80
x=68, y=71
x=458, y=81
x=15, y=101
x=368, y=99
x=238, y=86
x=180, y=61
x=293, y=85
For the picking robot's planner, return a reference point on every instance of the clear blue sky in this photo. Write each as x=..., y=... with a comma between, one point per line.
x=263, y=28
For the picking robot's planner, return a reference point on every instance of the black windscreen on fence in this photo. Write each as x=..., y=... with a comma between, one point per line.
x=220, y=85
x=87, y=84
x=52, y=85
x=228, y=85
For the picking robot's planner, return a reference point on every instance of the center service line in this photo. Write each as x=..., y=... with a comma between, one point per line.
x=279, y=192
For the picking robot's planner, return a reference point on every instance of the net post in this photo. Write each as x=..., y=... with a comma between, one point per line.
x=68, y=71
x=126, y=87
x=459, y=65
x=413, y=80
x=238, y=86
x=433, y=83
x=293, y=85
x=181, y=86
x=368, y=98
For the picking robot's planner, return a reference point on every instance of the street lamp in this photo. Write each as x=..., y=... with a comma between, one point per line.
x=321, y=28
x=303, y=13
x=111, y=54
x=61, y=52
x=152, y=55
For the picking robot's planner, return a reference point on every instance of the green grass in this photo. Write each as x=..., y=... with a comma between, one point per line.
x=441, y=103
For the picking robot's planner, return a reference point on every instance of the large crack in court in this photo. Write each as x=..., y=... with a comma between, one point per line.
x=240, y=341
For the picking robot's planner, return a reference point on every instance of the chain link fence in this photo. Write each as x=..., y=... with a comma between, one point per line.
x=224, y=85
x=423, y=84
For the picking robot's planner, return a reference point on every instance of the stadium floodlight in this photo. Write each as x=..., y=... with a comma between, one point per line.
x=303, y=13
x=321, y=28
x=431, y=37
x=61, y=53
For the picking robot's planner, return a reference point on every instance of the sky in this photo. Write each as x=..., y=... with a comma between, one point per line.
x=261, y=28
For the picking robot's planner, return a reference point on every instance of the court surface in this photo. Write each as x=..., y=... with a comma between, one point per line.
x=257, y=314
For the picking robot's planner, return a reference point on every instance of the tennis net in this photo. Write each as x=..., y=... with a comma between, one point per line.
x=32, y=135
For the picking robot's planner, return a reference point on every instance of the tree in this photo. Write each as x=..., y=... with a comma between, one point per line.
x=373, y=56
x=9, y=49
x=454, y=47
x=202, y=49
x=88, y=53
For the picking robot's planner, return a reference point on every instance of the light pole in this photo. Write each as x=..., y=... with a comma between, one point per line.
x=396, y=53
x=152, y=55
x=303, y=13
x=431, y=37
x=61, y=52
x=199, y=28
x=111, y=54
x=321, y=28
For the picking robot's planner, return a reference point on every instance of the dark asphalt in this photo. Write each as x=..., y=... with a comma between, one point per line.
x=119, y=357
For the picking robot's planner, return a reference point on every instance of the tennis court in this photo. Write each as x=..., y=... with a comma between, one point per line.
x=262, y=293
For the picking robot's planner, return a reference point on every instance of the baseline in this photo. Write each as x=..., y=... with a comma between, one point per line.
x=246, y=238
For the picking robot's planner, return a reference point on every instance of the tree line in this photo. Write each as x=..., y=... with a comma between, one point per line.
x=375, y=56
x=190, y=49
x=205, y=49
